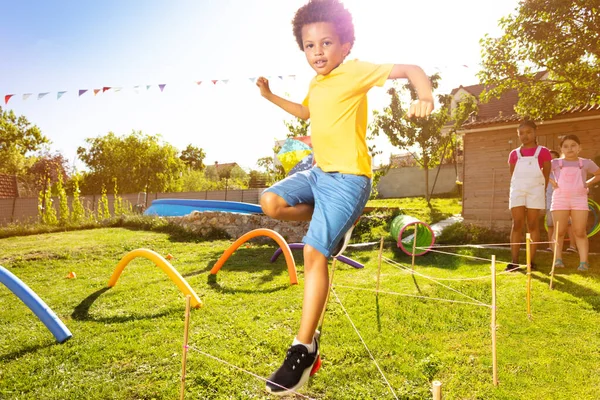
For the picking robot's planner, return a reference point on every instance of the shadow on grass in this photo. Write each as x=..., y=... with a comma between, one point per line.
x=82, y=311
x=212, y=282
x=26, y=350
x=563, y=284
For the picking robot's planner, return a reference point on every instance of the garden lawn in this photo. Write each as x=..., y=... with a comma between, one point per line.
x=127, y=340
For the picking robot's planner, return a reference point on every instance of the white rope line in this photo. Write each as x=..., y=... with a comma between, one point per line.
x=398, y=265
x=475, y=258
x=414, y=296
x=364, y=344
x=442, y=246
x=243, y=370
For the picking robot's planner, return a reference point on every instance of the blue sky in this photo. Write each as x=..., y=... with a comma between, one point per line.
x=52, y=46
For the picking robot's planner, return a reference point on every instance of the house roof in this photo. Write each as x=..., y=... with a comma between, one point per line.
x=8, y=187
x=502, y=108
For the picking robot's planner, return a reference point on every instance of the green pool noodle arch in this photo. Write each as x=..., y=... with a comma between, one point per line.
x=425, y=235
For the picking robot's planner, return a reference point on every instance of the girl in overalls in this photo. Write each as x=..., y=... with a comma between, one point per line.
x=529, y=170
x=570, y=197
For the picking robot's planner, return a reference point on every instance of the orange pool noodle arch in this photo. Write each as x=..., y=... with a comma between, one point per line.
x=157, y=259
x=289, y=258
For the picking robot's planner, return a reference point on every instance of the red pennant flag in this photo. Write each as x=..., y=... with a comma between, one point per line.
x=162, y=86
x=7, y=98
x=105, y=88
x=96, y=91
x=214, y=81
x=198, y=82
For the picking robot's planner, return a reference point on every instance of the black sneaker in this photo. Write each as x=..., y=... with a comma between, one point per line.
x=512, y=267
x=295, y=371
x=341, y=246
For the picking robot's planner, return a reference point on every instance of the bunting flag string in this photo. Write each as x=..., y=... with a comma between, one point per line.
x=136, y=88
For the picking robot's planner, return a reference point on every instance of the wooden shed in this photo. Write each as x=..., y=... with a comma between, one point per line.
x=490, y=137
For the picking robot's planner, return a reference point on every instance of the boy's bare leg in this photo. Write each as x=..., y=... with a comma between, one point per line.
x=276, y=207
x=316, y=285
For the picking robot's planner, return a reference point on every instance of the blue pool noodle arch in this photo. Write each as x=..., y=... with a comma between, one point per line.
x=37, y=305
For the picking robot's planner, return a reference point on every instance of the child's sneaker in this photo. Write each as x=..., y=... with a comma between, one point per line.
x=297, y=367
x=571, y=249
x=583, y=266
x=559, y=263
x=512, y=267
x=341, y=246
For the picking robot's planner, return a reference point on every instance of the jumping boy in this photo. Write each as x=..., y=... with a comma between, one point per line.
x=333, y=193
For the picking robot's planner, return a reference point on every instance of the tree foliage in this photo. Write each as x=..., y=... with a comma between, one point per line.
x=422, y=134
x=193, y=157
x=557, y=36
x=141, y=163
x=425, y=138
x=17, y=138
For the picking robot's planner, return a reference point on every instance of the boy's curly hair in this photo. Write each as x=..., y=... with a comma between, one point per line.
x=324, y=11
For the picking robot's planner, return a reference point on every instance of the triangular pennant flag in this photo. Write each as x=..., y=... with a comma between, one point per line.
x=198, y=82
x=7, y=98
x=26, y=96
x=41, y=95
x=225, y=81
x=280, y=77
x=117, y=89
x=96, y=91
x=292, y=76
x=162, y=86
x=136, y=89
x=252, y=79
x=60, y=94
x=105, y=88
x=82, y=91
x=148, y=87
x=214, y=81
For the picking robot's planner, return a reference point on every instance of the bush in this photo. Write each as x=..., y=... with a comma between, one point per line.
x=461, y=233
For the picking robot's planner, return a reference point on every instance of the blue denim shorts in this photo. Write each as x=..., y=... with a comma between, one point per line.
x=338, y=199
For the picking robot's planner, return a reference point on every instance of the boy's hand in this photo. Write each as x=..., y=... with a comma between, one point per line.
x=553, y=183
x=263, y=85
x=421, y=108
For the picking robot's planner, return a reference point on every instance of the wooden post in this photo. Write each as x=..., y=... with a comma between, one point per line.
x=493, y=198
x=493, y=325
x=185, y=346
x=437, y=390
x=379, y=268
x=320, y=327
x=414, y=247
x=556, y=227
x=528, y=252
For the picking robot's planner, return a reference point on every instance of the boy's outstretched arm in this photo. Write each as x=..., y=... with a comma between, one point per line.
x=424, y=106
x=296, y=109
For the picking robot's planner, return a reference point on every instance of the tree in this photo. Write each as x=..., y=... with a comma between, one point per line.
x=193, y=157
x=297, y=127
x=560, y=37
x=47, y=168
x=141, y=163
x=408, y=133
x=17, y=138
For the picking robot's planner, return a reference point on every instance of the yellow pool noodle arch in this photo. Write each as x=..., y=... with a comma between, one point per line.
x=289, y=258
x=172, y=273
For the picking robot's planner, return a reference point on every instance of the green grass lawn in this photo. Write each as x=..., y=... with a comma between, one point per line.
x=127, y=340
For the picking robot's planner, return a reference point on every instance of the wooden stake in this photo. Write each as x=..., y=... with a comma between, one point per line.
x=528, y=252
x=493, y=325
x=414, y=249
x=185, y=345
x=379, y=268
x=437, y=390
x=556, y=226
x=493, y=198
x=320, y=327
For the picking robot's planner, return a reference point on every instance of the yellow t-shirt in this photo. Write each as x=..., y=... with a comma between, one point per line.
x=338, y=116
